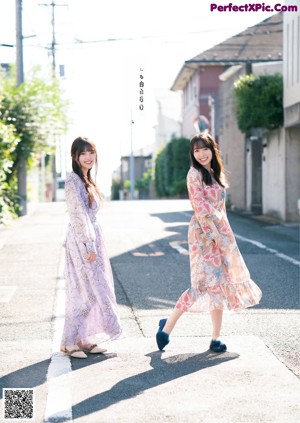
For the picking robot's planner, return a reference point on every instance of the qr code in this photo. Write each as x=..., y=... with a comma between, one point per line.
x=18, y=404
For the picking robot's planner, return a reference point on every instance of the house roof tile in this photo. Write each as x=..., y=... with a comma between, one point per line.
x=262, y=42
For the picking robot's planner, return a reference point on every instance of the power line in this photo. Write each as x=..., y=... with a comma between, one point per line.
x=159, y=37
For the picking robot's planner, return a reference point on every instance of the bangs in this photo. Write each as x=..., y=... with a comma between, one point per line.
x=84, y=145
x=201, y=143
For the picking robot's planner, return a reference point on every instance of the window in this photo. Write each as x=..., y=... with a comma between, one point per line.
x=124, y=165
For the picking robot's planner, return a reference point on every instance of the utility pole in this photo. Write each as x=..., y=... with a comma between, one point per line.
x=22, y=164
x=131, y=163
x=53, y=38
x=53, y=54
x=54, y=178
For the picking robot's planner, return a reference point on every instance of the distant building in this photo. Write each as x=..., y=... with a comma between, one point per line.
x=242, y=155
x=166, y=128
x=280, y=148
x=198, y=79
x=291, y=164
x=142, y=164
x=199, y=83
x=263, y=163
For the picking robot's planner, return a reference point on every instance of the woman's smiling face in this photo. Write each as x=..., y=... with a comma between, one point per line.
x=87, y=160
x=203, y=155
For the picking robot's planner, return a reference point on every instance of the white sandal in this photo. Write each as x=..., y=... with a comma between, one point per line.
x=93, y=349
x=76, y=352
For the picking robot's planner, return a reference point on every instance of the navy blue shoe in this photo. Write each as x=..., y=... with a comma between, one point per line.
x=217, y=346
x=162, y=338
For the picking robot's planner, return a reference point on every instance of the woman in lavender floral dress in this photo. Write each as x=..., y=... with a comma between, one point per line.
x=91, y=307
x=219, y=277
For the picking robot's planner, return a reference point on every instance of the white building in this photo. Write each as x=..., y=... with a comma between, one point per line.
x=291, y=45
x=166, y=128
x=281, y=152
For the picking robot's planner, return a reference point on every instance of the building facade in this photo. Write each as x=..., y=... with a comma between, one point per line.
x=263, y=166
x=291, y=44
x=231, y=139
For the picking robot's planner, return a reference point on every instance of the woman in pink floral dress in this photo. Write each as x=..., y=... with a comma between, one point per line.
x=91, y=307
x=219, y=277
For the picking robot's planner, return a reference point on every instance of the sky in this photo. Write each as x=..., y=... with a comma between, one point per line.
x=103, y=46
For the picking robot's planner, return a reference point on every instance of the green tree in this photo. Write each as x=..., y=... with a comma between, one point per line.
x=143, y=184
x=32, y=116
x=171, y=167
x=8, y=145
x=259, y=101
x=180, y=165
x=160, y=172
x=38, y=112
x=115, y=188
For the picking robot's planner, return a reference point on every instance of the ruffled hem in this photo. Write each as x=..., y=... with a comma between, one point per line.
x=233, y=297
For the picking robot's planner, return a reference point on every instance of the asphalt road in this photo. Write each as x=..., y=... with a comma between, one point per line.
x=147, y=243
x=150, y=273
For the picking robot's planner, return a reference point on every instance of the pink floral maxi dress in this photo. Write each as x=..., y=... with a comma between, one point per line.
x=219, y=276
x=91, y=307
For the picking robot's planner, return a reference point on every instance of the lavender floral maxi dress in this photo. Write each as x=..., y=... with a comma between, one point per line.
x=91, y=307
x=219, y=276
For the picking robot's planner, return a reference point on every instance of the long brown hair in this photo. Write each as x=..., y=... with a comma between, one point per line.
x=204, y=139
x=80, y=145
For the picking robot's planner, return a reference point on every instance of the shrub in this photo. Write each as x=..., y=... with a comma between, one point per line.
x=171, y=167
x=259, y=101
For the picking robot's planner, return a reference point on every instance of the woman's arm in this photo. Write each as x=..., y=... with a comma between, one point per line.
x=79, y=218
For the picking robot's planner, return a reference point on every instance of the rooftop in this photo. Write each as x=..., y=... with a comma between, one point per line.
x=262, y=42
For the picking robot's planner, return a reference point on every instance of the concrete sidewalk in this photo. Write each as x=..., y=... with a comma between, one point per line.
x=30, y=255
x=133, y=381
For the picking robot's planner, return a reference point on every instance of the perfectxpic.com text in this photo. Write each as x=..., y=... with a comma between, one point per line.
x=252, y=7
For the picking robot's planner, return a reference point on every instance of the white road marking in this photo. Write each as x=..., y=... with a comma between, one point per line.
x=59, y=400
x=269, y=250
x=177, y=246
x=6, y=293
x=155, y=252
x=257, y=244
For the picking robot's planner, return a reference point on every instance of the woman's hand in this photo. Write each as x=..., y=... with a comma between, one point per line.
x=217, y=242
x=91, y=257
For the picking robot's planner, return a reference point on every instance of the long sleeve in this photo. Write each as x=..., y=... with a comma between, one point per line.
x=79, y=218
x=207, y=216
